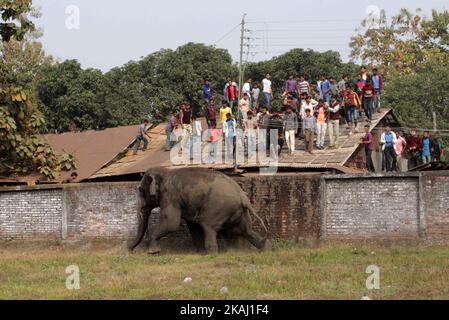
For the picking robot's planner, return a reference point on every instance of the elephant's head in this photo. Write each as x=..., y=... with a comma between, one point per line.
x=149, y=199
x=150, y=188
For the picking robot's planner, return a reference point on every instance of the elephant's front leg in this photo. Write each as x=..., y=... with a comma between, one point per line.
x=169, y=222
x=210, y=239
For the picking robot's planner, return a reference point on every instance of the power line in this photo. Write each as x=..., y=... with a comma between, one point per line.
x=306, y=37
x=301, y=30
x=306, y=21
x=227, y=34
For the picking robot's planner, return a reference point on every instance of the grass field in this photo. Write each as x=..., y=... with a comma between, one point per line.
x=334, y=271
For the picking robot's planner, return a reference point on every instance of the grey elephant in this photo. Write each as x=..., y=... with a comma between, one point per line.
x=209, y=202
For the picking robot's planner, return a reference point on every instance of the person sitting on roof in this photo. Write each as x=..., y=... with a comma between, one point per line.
x=141, y=133
x=73, y=177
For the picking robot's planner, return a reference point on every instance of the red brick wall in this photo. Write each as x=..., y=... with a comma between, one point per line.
x=289, y=204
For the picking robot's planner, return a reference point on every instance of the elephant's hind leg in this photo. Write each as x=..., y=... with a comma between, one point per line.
x=210, y=239
x=197, y=234
x=170, y=221
x=244, y=229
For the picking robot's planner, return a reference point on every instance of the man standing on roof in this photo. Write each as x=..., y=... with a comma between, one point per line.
x=414, y=147
x=388, y=140
x=141, y=133
x=207, y=91
x=171, y=125
x=267, y=90
x=186, y=119
x=368, y=141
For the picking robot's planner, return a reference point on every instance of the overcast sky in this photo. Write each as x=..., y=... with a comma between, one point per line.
x=113, y=32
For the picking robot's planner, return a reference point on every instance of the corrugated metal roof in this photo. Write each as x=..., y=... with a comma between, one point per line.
x=322, y=159
x=92, y=149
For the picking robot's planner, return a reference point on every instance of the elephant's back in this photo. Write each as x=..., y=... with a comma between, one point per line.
x=202, y=180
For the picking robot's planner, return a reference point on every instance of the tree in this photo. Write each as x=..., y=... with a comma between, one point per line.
x=14, y=22
x=72, y=98
x=416, y=96
x=76, y=99
x=400, y=44
x=22, y=149
x=166, y=78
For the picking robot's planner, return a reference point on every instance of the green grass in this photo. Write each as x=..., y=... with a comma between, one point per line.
x=334, y=271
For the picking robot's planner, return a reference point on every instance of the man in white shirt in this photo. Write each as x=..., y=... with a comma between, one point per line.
x=195, y=145
x=310, y=104
x=303, y=85
x=388, y=140
x=230, y=132
x=267, y=90
x=247, y=89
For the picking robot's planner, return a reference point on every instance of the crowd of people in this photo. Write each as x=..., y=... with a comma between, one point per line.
x=311, y=110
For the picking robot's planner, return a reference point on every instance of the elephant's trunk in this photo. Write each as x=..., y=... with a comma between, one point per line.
x=143, y=217
x=147, y=202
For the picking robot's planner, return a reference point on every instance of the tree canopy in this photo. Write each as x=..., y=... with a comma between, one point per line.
x=22, y=148
x=413, y=54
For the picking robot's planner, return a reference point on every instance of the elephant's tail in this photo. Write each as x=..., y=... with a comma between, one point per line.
x=250, y=211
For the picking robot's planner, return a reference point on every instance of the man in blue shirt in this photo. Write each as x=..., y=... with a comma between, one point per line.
x=326, y=89
x=387, y=140
x=426, y=155
x=207, y=91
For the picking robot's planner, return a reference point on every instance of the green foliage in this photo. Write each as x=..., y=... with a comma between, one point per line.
x=399, y=44
x=415, y=96
x=22, y=149
x=14, y=22
x=72, y=98
x=76, y=99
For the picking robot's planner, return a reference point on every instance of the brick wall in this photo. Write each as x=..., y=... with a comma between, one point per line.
x=288, y=204
x=436, y=199
x=30, y=214
x=371, y=207
x=293, y=206
x=101, y=210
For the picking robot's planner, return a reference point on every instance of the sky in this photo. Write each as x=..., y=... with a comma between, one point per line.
x=108, y=33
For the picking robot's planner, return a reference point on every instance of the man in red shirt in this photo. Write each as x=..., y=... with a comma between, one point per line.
x=367, y=140
x=414, y=147
x=232, y=94
x=368, y=94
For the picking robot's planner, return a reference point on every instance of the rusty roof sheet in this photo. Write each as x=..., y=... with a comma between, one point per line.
x=92, y=149
x=322, y=159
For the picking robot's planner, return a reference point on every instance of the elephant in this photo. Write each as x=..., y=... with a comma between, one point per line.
x=209, y=201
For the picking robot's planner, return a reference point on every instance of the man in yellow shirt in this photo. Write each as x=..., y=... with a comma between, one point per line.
x=224, y=110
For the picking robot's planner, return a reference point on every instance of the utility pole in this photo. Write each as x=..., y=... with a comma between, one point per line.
x=434, y=114
x=242, y=38
x=241, y=77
